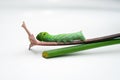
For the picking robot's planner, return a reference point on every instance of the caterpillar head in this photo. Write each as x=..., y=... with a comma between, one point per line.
x=41, y=36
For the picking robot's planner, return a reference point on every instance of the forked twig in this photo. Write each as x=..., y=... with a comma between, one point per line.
x=34, y=42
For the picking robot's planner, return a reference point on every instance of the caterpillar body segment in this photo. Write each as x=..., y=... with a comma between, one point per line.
x=68, y=37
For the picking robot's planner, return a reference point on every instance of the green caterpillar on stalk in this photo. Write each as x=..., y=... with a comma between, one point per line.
x=68, y=37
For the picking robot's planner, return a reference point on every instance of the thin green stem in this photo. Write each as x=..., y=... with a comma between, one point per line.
x=81, y=47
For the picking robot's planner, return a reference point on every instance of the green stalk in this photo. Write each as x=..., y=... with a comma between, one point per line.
x=67, y=50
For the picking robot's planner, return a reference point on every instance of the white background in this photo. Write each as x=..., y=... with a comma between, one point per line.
x=94, y=17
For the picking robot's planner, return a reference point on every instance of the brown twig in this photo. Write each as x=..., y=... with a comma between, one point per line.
x=34, y=42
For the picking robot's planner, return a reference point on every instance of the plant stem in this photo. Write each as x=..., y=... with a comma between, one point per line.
x=67, y=50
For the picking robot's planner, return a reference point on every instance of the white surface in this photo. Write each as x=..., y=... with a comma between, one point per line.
x=17, y=63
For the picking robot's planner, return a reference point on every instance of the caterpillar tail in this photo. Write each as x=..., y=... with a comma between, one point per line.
x=82, y=37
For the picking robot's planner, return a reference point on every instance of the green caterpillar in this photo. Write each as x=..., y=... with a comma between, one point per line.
x=69, y=37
